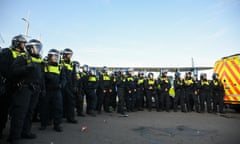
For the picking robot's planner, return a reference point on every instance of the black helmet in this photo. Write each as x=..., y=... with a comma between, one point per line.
x=140, y=74
x=177, y=74
x=129, y=71
x=53, y=52
x=85, y=68
x=34, y=48
x=150, y=75
x=104, y=69
x=215, y=76
x=17, y=40
x=164, y=72
x=76, y=66
x=67, y=51
x=92, y=71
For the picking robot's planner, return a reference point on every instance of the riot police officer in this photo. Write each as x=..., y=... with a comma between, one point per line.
x=196, y=96
x=218, y=93
x=140, y=91
x=121, y=80
x=105, y=90
x=205, y=93
x=150, y=86
x=27, y=71
x=165, y=86
x=7, y=56
x=78, y=94
x=130, y=90
x=51, y=105
x=70, y=88
x=179, y=92
x=188, y=87
x=113, y=95
x=92, y=84
x=84, y=80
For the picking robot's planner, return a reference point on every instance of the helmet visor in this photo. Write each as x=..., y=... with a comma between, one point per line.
x=53, y=57
x=34, y=48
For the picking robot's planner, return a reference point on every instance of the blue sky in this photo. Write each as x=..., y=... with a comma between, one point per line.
x=129, y=32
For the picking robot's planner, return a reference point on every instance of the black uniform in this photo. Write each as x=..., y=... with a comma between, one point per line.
x=68, y=90
x=196, y=96
x=51, y=105
x=179, y=94
x=150, y=86
x=105, y=90
x=92, y=84
x=7, y=56
x=165, y=98
x=121, y=93
x=188, y=93
x=79, y=95
x=205, y=95
x=140, y=93
x=218, y=95
x=130, y=93
x=113, y=95
x=28, y=75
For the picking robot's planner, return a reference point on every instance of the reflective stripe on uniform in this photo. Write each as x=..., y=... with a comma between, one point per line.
x=92, y=79
x=35, y=60
x=52, y=69
x=151, y=82
x=15, y=53
x=106, y=77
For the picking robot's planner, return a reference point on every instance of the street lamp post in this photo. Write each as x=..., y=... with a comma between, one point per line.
x=27, y=27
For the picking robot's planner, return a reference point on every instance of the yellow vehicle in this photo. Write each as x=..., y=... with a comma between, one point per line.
x=228, y=69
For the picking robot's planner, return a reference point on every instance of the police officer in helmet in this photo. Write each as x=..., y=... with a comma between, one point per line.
x=70, y=88
x=165, y=86
x=51, y=104
x=205, y=93
x=218, y=93
x=91, y=96
x=140, y=91
x=179, y=92
x=131, y=89
x=105, y=90
x=150, y=86
x=7, y=56
x=27, y=71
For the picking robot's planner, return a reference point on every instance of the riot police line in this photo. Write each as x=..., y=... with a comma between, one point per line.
x=54, y=88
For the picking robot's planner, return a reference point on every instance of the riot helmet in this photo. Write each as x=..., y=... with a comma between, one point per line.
x=140, y=74
x=34, y=48
x=53, y=56
x=130, y=71
x=76, y=66
x=164, y=73
x=177, y=75
x=67, y=53
x=18, y=41
x=215, y=76
x=92, y=71
x=85, y=68
x=105, y=70
x=150, y=75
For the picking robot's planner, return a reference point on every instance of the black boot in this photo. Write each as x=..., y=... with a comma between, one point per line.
x=58, y=128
